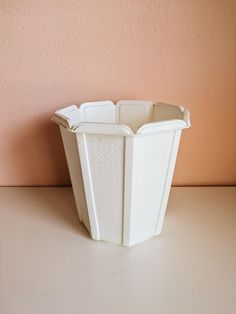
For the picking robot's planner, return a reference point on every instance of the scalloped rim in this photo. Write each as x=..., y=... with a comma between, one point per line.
x=65, y=115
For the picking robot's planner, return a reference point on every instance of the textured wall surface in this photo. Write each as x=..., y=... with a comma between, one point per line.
x=54, y=53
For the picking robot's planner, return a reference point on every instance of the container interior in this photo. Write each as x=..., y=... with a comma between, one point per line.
x=126, y=112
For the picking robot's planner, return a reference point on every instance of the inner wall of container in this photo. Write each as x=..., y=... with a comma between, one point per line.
x=132, y=115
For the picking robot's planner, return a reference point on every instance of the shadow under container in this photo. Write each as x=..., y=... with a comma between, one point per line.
x=121, y=160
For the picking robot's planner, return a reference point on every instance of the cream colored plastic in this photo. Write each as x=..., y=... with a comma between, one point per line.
x=121, y=160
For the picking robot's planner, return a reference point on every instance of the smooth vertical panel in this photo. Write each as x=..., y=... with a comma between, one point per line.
x=88, y=185
x=128, y=185
x=74, y=166
x=150, y=162
x=168, y=180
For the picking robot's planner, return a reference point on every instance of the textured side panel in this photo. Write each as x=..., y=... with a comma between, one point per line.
x=145, y=183
x=74, y=166
x=106, y=159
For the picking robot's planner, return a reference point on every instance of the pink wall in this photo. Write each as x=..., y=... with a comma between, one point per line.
x=54, y=53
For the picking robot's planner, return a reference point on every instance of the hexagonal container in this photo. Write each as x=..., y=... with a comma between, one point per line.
x=121, y=160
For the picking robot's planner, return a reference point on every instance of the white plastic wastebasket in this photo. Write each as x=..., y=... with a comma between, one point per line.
x=121, y=160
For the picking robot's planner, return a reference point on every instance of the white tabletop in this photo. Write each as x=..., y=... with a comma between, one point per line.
x=48, y=264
